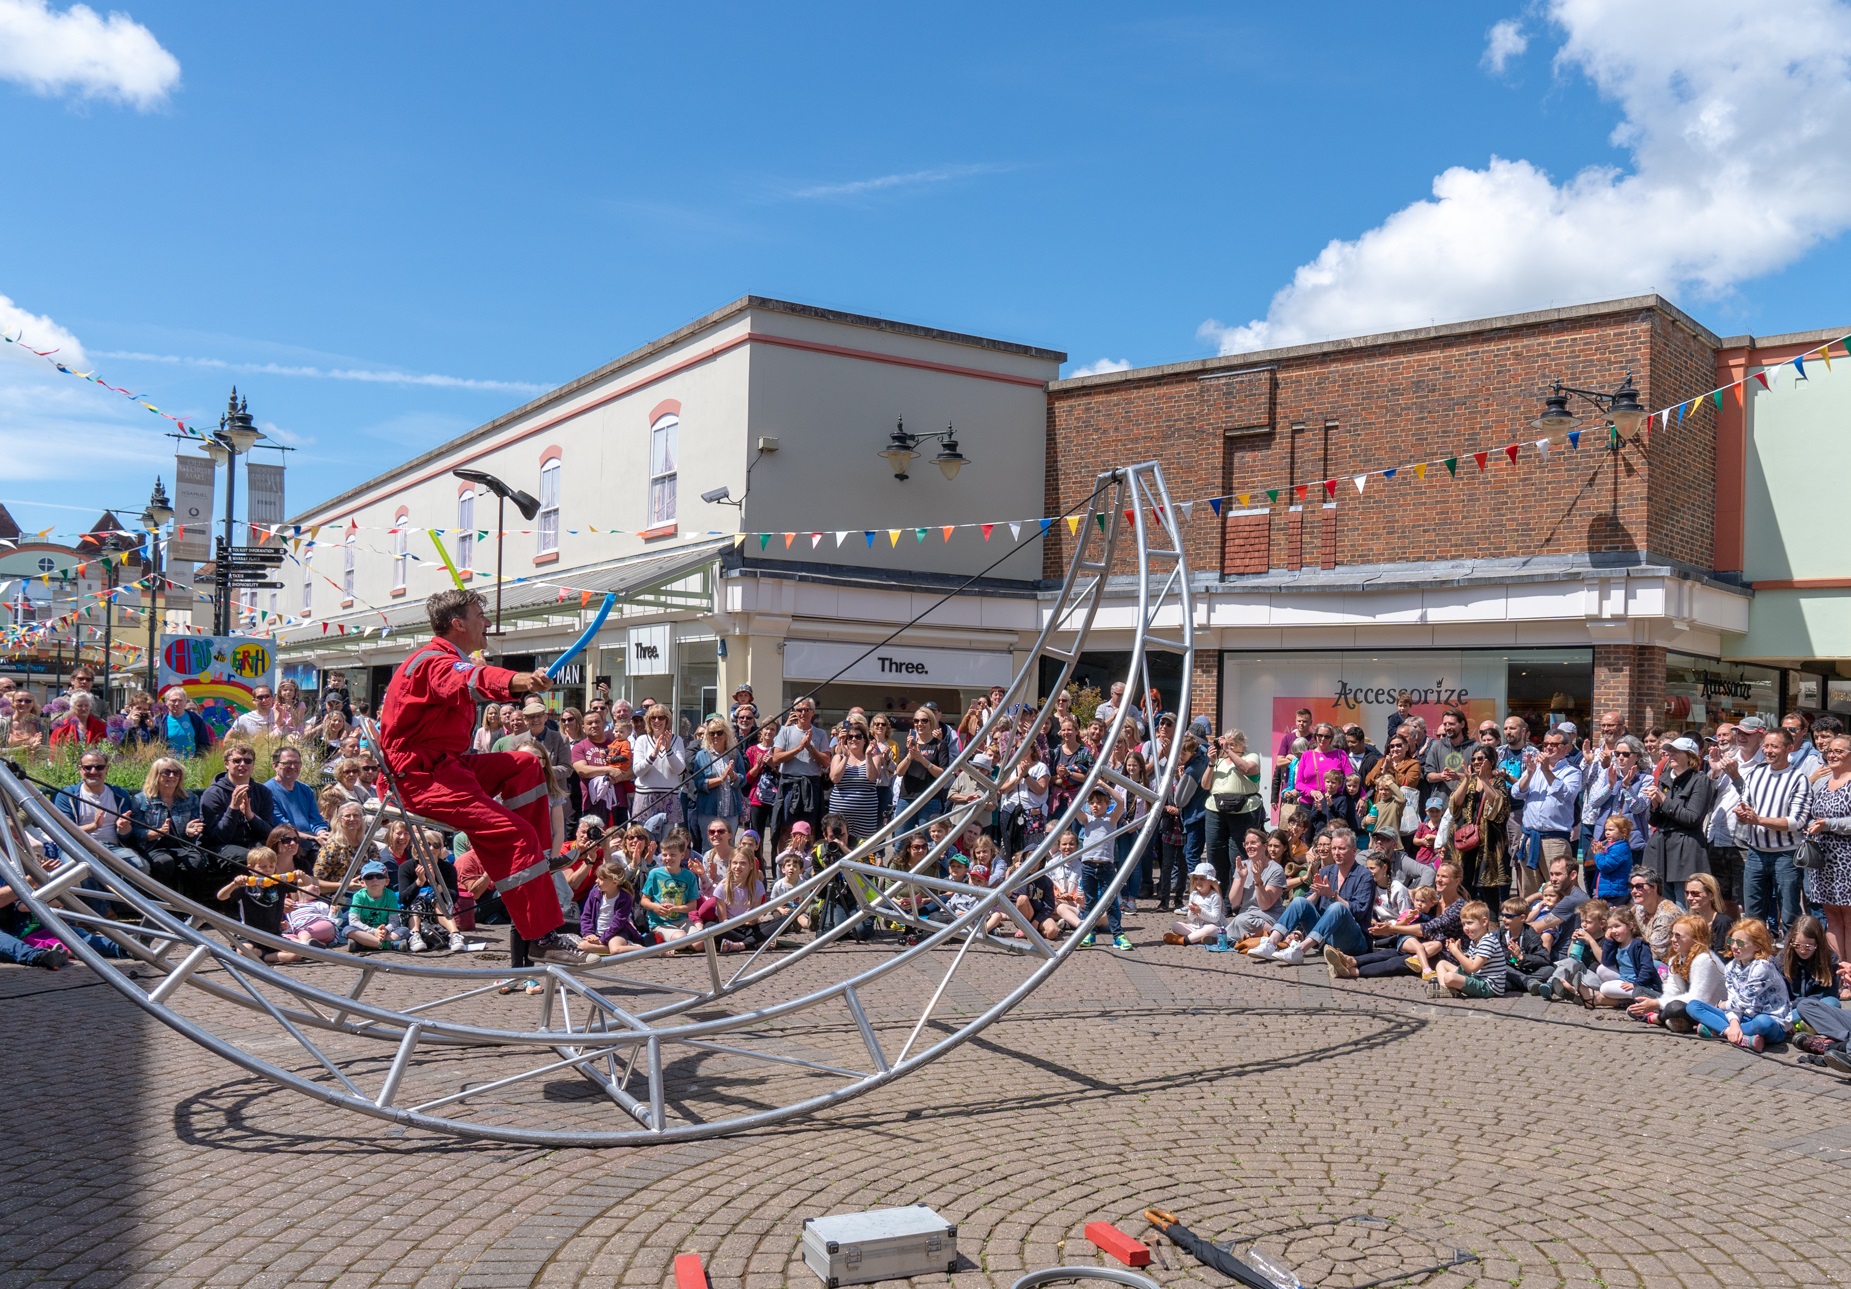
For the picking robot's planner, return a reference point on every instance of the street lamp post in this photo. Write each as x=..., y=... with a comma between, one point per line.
x=523, y=502
x=158, y=512
x=235, y=436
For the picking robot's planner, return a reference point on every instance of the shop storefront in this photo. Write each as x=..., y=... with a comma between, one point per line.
x=676, y=663
x=1703, y=691
x=889, y=678
x=1262, y=692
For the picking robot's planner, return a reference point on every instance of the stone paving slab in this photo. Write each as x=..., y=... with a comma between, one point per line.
x=1562, y=1148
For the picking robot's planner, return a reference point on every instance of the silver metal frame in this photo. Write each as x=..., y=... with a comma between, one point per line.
x=424, y=1057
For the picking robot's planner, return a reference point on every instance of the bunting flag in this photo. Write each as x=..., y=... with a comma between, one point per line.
x=841, y=536
x=1542, y=446
x=1511, y=452
x=1762, y=377
x=986, y=531
x=788, y=539
x=1452, y=466
x=764, y=540
x=869, y=534
x=919, y=534
x=1272, y=495
x=1073, y=525
x=1361, y=481
x=1244, y=499
x=1420, y=470
x=1214, y=504
x=1330, y=489
x=1574, y=438
x=1299, y=490
x=1481, y=458
x=947, y=531
x=893, y=537
x=1799, y=365
x=1049, y=523
x=1101, y=522
x=1389, y=473
x=1015, y=531
x=816, y=539
x=1188, y=509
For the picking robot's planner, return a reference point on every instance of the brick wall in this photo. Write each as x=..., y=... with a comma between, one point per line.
x=1333, y=413
x=1630, y=679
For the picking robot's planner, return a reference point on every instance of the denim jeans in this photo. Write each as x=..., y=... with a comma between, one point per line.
x=13, y=949
x=1335, y=925
x=1769, y=1028
x=1094, y=878
x=1771, y=888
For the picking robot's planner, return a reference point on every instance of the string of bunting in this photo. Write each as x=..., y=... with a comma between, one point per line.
x=50, y=356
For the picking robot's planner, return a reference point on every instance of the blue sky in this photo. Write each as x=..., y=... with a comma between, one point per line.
x=389, y=223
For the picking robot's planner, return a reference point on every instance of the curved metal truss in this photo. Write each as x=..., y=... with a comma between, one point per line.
x=664, y=1043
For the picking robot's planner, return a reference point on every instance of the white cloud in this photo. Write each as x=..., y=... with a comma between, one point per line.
x=40, y=332
x=884, y=183
x=1101, y=365
x=1506, y=40
x=367, y=375
x=1739, y=128
x=52, y=52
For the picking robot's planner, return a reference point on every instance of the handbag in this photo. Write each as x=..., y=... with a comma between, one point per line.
x=1807, y=854
x=1468, y=837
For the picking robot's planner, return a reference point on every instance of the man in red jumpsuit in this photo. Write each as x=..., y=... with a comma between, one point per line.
x=499, y=798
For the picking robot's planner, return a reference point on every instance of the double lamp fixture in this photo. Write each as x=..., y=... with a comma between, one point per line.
x=1622, y=407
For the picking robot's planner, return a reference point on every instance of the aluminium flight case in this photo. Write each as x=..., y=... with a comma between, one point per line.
x=881, y=1244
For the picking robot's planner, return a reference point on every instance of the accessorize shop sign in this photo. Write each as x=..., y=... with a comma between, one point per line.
x=890, y=664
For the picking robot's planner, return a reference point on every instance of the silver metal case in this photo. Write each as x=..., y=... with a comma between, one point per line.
x=881, y=1244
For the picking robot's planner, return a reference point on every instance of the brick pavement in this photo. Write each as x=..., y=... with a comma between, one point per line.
x=1248, y=1098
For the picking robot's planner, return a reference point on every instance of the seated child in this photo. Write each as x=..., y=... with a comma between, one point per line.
x=1627, y=972
x=604, y=921
x=258, y=898
x=1204, y=915
x=737, y=893
x=1069, y=900
x=308, y=918
x=1526, y=953
x=782, y=903
x=1584, y=955
x=953, y=905
x=671, y=892
x=1475, y=966
x=373, y=920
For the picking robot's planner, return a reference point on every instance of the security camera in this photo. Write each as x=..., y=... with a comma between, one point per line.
x=714, y=495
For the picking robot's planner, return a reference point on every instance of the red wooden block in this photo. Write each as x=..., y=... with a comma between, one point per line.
x=690, y=1274
x=1133, y=1253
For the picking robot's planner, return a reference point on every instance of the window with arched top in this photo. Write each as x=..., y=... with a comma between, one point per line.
x=466, y=528
x=549, y=508
x=662, y=469
x=401, y=549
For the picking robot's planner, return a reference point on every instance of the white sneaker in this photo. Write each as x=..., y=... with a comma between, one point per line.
x=417, y=942
x=1266, y=948
x=1291, y=957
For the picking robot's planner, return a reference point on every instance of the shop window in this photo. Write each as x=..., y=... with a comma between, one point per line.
x=466, y=529
x=662, y=457
x=697, y=687
x=549, y=508
x=1703, y=691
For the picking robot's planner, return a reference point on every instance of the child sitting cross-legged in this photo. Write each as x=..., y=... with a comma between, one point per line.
x=738, y=893
x=1584, y=955
x=1525, y=952
x=783, y=901
x=258, y=896
x=1476, y=965
x=671, y=891
x=604, y=920
x=1626, y=972
x=373, y=920
x=1204, y=915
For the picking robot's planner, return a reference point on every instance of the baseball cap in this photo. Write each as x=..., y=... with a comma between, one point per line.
x=956, y=858
x=1203, y=869
x=1753, y=724
x=1684, y=744
x=1568, y=728
x=373, y=868
x=802, y=826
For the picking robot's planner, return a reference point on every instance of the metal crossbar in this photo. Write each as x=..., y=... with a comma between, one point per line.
x=670, y=1047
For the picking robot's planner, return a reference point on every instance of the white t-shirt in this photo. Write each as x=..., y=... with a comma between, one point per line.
x=1031, y=791
x=810, y=760
x=254, y=724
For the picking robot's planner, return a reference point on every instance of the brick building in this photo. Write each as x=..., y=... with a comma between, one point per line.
x=1553, y=584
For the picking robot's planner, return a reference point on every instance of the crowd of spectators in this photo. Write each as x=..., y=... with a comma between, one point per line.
x=1697, y=880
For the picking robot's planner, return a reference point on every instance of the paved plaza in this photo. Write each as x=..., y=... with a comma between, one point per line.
x=1560, y=1147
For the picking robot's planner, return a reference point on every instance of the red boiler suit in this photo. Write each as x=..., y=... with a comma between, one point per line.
x=426, y=725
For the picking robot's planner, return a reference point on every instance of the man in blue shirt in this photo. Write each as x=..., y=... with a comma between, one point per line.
x=293, y=803
x=1341, y=904
x=1547, y=788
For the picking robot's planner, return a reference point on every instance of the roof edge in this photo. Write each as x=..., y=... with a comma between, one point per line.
x=1787, y=338
x=644, y=352
x=1262, y=357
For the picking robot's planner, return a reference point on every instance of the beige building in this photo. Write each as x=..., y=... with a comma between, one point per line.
x=787, y=408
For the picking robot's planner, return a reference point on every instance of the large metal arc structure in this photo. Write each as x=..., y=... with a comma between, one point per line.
x=650, y=1045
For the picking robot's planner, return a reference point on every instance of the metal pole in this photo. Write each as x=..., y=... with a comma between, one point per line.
x=501, y=531
x=152, y=601
x=222, y=618
x=109, y=622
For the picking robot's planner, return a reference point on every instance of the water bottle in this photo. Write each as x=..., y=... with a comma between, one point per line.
x=51, y=849
x=1221, y=940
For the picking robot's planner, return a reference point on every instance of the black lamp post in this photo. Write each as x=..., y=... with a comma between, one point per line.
x=235, y=437
x=1622, y=407
x=903, y=445
x=523, y=502
x=153, y=518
